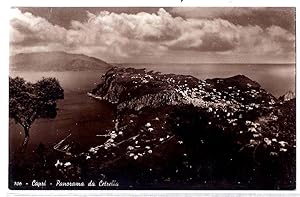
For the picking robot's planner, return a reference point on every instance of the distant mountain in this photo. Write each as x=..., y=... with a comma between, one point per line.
x=55, y=61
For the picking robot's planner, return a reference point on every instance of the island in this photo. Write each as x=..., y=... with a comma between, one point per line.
x=178, y=131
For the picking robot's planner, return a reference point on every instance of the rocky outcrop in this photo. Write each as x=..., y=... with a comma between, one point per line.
x=176, y=131
x=135, y=89
x=287, y=96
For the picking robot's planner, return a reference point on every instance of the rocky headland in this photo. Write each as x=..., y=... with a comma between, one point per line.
x=179, y=132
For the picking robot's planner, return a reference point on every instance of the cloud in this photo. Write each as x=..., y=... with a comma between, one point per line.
x=220, y=36
x=261, y=16
x=206, y=35
x=29, y=29
x=147, y=34
x=210, y=13
x=273, y=39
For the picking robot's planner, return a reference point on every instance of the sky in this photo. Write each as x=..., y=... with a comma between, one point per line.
x=154, y=35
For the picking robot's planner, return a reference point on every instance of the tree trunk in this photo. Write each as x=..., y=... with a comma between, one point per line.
x=26, y=129
x=26, y=139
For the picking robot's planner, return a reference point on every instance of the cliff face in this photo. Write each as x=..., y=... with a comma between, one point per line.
x=287, y=96
x=175, y=130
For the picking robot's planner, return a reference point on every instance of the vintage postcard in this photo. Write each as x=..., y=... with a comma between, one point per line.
x=152, y=98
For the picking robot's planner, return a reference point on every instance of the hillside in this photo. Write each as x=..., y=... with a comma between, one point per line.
x=176, y=131
x=55, y=61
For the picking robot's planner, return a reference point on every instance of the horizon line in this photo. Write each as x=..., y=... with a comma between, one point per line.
x=200, y=63
x=72, y=53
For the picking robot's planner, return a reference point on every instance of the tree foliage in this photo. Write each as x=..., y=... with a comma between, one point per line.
x=30, y=101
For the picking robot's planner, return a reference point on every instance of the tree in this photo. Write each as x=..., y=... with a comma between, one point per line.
x=30, y=101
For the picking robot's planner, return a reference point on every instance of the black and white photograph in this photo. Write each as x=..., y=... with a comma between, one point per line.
x=152, y=98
